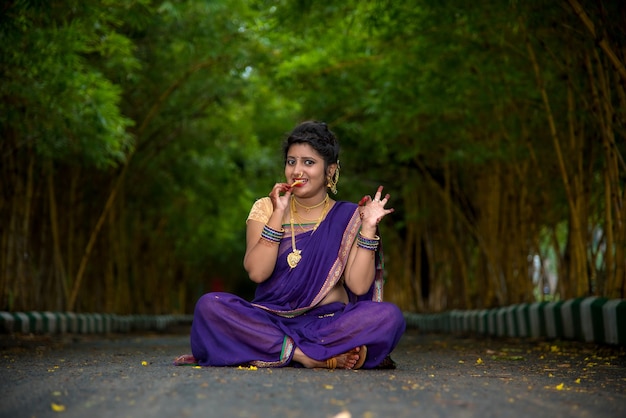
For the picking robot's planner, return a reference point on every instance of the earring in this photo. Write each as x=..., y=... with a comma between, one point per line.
x=333, y=180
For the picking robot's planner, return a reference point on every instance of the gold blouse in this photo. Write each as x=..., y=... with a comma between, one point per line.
x=261, y=210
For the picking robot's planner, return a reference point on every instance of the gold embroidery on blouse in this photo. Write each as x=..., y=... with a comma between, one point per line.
x=261, y=210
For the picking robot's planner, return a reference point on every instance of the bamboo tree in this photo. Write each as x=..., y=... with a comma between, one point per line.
x=157, y=160
x=59, y=268
x=577, y=272
x=603, y=41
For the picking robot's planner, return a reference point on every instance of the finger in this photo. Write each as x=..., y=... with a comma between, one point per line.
x=386, y=198
x=363, y=200
x=378, y=193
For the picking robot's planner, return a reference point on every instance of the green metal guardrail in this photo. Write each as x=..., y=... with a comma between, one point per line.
x=590, y=319
x=84, y=323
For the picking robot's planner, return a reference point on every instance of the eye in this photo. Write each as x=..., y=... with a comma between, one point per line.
x=291, y=161
x=309, y=162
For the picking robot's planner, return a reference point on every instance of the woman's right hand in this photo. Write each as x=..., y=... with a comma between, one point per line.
x=280, y=196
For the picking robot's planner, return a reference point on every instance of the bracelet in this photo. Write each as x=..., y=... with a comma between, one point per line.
x=272, y=235
x=370, y=244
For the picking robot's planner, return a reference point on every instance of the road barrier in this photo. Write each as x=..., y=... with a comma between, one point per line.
x=590, y=319
x=85, y=323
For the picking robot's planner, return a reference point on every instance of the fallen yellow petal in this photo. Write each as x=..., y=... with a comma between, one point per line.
x=479, y=361
x=57, y=407
x=560, y=386
x=144, y=363
x=329, y=387
x=577, y=380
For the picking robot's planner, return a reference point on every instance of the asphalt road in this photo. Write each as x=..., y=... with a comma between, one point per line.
x=437, y=376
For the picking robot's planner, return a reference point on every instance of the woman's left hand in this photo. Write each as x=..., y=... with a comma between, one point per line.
x=372, y=211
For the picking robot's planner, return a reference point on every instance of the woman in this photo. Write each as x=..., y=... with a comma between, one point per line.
x=317, y=264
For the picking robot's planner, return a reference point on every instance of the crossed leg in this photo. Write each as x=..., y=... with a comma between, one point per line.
x=353, y=359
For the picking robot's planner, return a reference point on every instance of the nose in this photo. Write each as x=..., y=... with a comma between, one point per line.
x=298, y=169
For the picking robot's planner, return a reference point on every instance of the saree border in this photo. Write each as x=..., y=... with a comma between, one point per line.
x=286, y=353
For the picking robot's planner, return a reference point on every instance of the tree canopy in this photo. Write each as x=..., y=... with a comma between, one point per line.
x=136, y=135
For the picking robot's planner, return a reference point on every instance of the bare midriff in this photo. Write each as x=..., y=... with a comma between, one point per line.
x=337, y=294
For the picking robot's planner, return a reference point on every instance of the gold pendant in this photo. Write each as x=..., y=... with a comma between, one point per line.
x=293, y=258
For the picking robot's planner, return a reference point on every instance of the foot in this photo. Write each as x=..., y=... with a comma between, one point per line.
x=185, y=360
x=353, y=359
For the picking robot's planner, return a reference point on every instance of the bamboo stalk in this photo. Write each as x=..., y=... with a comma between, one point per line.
x=604, y=122
x=485, y=248
x=411, y=271
x=59, y=271
x=120, y=179
x=602, y=41
x=453, y=240
x=16, y=248
x=576, y=269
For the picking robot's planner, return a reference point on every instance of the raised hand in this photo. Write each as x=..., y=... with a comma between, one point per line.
x=372, y=211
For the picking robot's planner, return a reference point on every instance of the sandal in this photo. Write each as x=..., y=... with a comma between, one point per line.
x=362, y=355
x=185, y=360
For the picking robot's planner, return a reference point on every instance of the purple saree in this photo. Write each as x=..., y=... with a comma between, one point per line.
x=285, y=313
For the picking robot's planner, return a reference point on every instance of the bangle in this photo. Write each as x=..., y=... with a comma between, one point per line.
x=370, y=244
x=272, y=235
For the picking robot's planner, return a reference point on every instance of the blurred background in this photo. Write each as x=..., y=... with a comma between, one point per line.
x=135, y=136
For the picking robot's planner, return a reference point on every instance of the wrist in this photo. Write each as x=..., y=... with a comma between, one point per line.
x=368, y=232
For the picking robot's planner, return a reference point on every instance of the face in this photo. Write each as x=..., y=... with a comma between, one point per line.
x=304, y=163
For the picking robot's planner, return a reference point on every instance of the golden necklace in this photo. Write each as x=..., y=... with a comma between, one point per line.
x=308, y=208
x=294, y=257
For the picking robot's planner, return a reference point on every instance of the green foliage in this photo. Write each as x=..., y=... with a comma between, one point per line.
x=189, y=101
x=62, y=106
